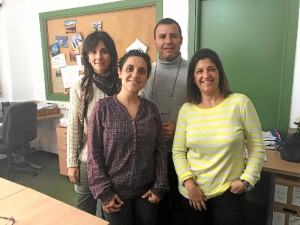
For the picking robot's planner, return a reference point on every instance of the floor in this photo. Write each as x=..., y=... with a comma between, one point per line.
x=48, y=180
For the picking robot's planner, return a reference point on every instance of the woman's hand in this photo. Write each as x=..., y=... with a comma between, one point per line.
x=151, y=197
x=237, y=187
x=73, y=173
x=196, y=197
x=114, y=205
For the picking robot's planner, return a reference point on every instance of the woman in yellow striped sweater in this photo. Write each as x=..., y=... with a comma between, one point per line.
x=212, y=130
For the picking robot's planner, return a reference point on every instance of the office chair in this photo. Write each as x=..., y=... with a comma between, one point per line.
x=19, y=127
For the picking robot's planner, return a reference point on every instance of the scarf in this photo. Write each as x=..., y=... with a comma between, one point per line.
x=107, y=83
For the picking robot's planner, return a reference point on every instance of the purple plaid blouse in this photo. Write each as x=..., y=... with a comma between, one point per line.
x=126, y=156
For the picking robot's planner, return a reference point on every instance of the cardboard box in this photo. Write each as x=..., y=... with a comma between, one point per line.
x=285, y=215
x=287, y=190
x=286, y=204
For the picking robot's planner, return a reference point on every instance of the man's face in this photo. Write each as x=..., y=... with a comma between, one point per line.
x=167, y=41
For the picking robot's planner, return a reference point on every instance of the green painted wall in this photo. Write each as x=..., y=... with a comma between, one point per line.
x=256, y=41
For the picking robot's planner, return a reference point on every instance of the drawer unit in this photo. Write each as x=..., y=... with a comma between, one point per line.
x=61, y=134
x=286, y=204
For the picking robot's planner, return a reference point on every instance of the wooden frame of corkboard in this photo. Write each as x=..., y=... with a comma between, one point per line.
x=125, y=21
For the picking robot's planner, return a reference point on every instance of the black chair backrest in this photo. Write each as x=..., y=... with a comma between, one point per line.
x=20, y=123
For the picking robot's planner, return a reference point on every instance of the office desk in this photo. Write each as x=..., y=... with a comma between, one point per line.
x=278, y=166
x=9, y=188
x=275, y=165
x=28, y=206
x=53, y=116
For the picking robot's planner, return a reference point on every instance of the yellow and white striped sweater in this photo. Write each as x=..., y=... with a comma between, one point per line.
x=209, y=145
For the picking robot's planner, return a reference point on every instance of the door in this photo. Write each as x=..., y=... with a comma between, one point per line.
x=256, y=41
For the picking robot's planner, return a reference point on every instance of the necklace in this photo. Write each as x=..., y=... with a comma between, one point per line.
x=173, y=88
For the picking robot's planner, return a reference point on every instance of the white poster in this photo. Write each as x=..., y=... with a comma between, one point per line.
x=296, y=196
x=278, y=218
x=280, y=194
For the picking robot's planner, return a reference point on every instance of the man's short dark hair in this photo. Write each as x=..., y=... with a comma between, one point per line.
x=167, y=21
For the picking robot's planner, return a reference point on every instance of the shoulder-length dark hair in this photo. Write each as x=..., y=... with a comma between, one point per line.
x=193, y=93
x=91, y=43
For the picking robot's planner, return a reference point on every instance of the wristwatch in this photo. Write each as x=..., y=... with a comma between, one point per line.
x=248, y=186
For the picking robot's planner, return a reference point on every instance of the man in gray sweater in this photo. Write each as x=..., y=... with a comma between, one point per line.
x=166, y=87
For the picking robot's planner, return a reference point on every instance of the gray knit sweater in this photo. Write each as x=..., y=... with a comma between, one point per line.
x=160, y=84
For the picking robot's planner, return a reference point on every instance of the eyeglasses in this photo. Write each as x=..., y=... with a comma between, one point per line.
x=9, y=220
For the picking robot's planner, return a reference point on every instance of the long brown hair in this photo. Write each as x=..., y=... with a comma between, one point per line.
x=89, y=44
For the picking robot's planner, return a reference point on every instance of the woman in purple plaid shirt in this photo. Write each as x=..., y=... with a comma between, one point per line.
x=127, y=159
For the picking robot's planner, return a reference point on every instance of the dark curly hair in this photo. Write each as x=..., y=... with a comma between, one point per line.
x=139, y=53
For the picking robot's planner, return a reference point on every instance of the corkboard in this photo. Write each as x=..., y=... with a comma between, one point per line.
x=124, y=26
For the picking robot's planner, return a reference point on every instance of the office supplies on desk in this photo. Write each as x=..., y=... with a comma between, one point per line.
x=272, y=139
x=46, y=109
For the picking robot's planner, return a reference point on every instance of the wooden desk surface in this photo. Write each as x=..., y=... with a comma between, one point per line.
x=31, y=207
x=53, y=116
x=9, y=188
x=276, y=165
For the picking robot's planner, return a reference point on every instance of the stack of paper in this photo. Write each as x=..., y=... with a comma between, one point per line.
x=45, y=109
x=46, y=105
x=269, y=140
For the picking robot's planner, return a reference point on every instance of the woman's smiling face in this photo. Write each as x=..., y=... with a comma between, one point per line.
x=99, y=58
x=206, y=76
x=134, y=74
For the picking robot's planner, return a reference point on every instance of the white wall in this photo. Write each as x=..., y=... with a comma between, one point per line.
x=4, y=60
x=295, y=108
x=179, y=12
x=21, y=62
